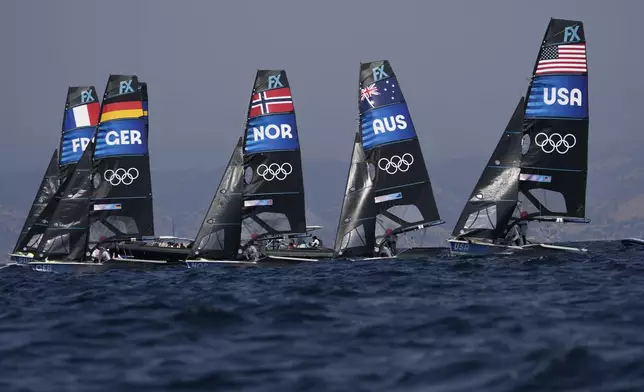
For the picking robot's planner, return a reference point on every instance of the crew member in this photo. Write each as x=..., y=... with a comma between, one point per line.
x=388, y=246
x=315, y=243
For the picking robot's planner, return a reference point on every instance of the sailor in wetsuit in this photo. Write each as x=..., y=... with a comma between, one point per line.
x=251, y=252
x=388, y=245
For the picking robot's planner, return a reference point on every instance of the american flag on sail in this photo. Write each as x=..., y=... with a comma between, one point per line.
x=570, y=58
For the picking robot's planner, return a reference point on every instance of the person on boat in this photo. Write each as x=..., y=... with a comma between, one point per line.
x=252, y=253
x=315, y=243
x=291, y=244
x=105, y=255
x=96, y=254
x=388, y=245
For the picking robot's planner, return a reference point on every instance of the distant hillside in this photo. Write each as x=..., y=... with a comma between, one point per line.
x=615, y=196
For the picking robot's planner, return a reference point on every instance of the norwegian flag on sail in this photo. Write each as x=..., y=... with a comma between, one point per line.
x=569, y=58
x=277, y=100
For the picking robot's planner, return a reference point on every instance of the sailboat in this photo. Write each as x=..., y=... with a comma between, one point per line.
x=79, y=120
x=261, y=193
x=388, y=191
x=109, y=193
x=538, y=171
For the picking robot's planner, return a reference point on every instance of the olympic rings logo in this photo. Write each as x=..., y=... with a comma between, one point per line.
x=274, y=171
x=555, y=141
x=396, y=163
x=121, y=176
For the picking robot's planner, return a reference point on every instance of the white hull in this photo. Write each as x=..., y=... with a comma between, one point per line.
x=21, y=259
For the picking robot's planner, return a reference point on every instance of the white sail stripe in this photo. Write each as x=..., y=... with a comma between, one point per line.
x=582, y=61
x=549, y=70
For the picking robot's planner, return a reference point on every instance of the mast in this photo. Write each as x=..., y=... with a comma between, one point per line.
x=554, y=161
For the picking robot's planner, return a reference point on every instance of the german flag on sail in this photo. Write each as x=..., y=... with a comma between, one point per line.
x=120, y=110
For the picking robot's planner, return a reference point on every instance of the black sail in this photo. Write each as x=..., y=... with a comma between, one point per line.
x=66, y=235
x=555, y=132
x=220, y=233
x=402, y=190
x=356, y=229
x=35, y=224
x=492, y=202
x=122, y=198
x=273, y=183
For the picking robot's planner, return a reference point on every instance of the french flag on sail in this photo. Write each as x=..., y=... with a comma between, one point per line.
x=82, y=116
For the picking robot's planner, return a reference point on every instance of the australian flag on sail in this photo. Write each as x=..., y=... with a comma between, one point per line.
x=383, y=92
x=273, y=101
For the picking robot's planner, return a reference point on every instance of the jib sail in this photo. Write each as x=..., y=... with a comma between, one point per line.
x=493, y=200
x=554, y=160
x=220, y=232
x=401, y=191
x=356, y=229
x=273, y=185
x=122, y=198
x=30, y=235
x=66, y=235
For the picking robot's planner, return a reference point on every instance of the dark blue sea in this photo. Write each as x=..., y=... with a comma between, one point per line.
x=554, y=323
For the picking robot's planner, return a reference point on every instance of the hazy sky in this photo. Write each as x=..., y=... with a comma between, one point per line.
x=462, y=66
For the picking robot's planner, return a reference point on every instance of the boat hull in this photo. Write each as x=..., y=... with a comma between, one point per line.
x=20, y=259
x=632, y=241
x=268, y=261
x=66, y=267
x=304, y=253
x=475, y=248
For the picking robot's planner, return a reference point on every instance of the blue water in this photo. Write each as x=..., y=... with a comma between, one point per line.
x=556, y=323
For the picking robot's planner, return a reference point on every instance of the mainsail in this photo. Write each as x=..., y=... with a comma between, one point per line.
x=396, y=193
x=122, y=197
x=28, y=239
x=493, y=200
x=554, y=164
x=273, y=183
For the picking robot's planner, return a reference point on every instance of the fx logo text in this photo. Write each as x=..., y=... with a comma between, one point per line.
x=274, y=81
